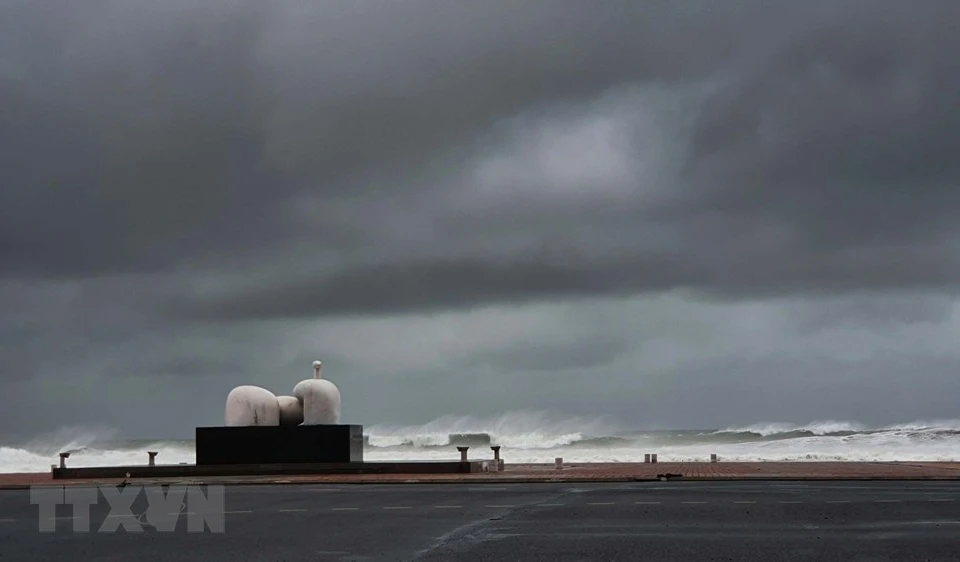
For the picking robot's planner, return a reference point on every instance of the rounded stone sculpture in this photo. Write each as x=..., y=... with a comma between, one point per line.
x=251, y=405
x=320, y=399
x=291, y=410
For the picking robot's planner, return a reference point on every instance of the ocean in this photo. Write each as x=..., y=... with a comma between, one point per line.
x=539, y=438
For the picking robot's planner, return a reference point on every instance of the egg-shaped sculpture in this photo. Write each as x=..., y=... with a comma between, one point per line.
x=291, y=410
x=320, y=399
x=251, y=405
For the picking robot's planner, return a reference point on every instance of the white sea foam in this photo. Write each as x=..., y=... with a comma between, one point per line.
x=13, y=459
x=522, y=430
x=930, y=425
x=815, y=428
x=88, y=446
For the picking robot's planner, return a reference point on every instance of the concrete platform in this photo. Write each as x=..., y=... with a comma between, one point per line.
x=578, y=472
x=208, y=470
x=279, y=445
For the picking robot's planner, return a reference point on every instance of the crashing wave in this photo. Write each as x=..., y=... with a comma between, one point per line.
x=539, y=438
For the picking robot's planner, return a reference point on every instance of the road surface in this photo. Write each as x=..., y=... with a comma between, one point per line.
x=682, y=521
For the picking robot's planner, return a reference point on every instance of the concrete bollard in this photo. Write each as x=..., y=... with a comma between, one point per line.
x=496, y=457
x=152, y=456
x=714, y=458
x=646, y=457
x=63, y=459
x=463, y=453
x=653, y=457
x=558, y=462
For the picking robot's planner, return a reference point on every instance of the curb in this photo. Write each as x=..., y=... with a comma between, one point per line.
x=502, y=481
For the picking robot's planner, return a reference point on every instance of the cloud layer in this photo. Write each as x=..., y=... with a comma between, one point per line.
x=210, y=194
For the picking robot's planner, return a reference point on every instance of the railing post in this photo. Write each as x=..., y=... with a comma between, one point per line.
x=463, y=453
x=152, y=458
x=63, y=459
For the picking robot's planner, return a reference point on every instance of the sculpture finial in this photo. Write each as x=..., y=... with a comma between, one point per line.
x=317, y=366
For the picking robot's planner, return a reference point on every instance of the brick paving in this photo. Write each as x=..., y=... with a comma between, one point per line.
x=745, y=470
x=578, y=472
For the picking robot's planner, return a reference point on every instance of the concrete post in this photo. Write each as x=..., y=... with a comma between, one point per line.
x=463, y=453
x=496, y=457
x=653, y=457
x=63, y=459
x=152, y=458
x=646, y=457
x=713, y=457
x=559, y=462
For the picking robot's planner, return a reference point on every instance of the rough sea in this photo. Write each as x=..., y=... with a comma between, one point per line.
x=539, y=438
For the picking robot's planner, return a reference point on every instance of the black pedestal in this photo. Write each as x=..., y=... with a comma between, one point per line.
x=279, y=444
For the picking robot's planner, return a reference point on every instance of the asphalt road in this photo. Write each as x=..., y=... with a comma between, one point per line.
x=683, y=521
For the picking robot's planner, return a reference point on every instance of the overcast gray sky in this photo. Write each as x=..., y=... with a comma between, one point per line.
x=678, y=214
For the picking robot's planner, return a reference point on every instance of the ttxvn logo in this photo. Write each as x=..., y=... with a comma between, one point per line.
x=131, y=507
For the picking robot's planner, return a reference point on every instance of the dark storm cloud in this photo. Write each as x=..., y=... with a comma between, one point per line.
x=165, y=165
x=65, y=326
x=868, y=312
x=177, y=131
x=578, y=354
x=435, y=285
x=128, y=138
x=184, y=136
x=815, y=151
x=848, y=133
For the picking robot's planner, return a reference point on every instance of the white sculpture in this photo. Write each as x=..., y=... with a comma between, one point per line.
x=291, y=410
x=251, y=405
x=320, y=399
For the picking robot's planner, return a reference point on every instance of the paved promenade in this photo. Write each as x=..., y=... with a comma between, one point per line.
x=880, y=521
x=593, y=472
